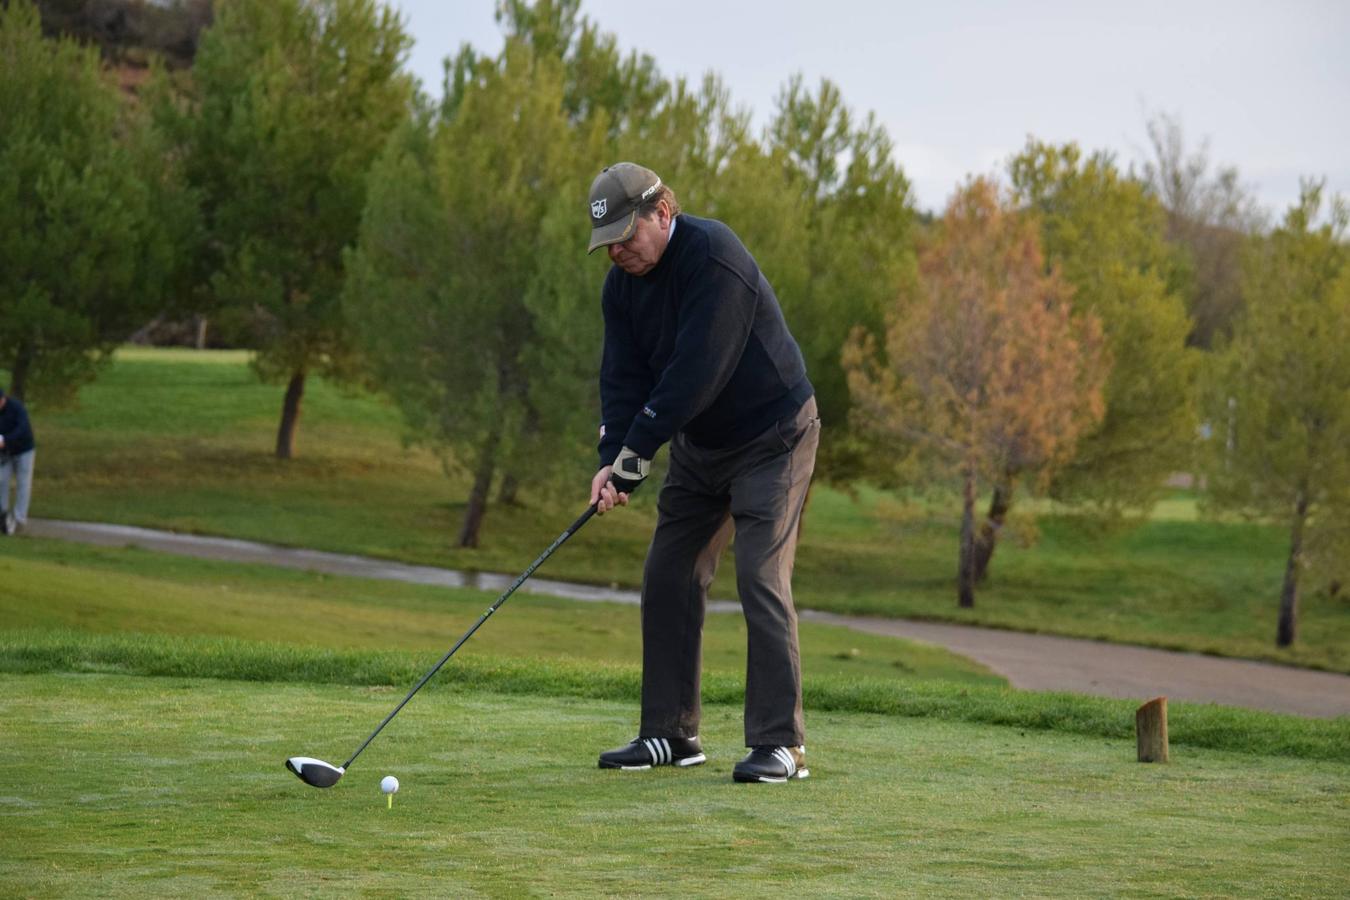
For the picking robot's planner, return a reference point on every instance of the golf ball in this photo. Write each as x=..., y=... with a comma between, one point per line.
x=389, y=784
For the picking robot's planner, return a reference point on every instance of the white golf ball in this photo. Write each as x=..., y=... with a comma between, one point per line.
x=389, y=784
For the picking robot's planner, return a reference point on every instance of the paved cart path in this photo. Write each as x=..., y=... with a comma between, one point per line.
x=1029, y=661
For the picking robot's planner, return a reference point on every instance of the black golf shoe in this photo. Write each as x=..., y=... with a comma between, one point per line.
x=643, y=753
x=772, y=765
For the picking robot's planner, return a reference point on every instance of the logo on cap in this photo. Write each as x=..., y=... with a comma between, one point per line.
x=599, y=207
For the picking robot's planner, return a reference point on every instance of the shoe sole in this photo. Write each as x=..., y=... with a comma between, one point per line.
x=768, y=779
x=687, y=761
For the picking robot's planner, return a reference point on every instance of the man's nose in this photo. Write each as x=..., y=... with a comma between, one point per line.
x=615, y=249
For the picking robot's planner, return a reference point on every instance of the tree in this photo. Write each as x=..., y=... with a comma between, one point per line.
x=1106, y=234
x=847, y=247
x=1209, y=216
x=1279, y=398
x=601, y=86
x=987, y=369
x=475, y=232
x=474, y=299
x=288, y=106
x=92, y=216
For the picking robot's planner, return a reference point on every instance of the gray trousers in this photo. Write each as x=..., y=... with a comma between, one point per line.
x=757, y=490
x=20, y=470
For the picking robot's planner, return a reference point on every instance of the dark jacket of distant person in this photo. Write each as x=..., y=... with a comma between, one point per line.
x=15, y=428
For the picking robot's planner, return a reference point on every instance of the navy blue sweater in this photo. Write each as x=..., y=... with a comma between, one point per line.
x=698, y=345
x=15, y=428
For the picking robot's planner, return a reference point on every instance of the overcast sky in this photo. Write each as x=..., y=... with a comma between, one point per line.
x=960, y=84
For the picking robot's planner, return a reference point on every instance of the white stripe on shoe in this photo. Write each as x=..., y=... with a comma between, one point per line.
x=659, y=749
x=662, y=753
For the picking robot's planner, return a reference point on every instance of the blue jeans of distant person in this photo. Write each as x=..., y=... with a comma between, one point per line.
x=19, y=469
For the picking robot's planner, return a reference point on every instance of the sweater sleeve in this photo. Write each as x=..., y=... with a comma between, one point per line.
x=624, y=379
x=717, y=312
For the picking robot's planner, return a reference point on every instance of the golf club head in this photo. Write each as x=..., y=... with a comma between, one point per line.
x=314, y=772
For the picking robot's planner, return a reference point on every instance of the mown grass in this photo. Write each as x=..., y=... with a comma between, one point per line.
x=1190, y=724
x=149, y=700
x=70, y=607
x=118, y=786
x=55, y=585
x=182, y=440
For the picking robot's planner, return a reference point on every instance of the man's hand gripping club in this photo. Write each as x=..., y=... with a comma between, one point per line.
x=612, y=484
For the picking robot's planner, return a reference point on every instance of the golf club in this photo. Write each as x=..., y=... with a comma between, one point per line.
x=317, y=773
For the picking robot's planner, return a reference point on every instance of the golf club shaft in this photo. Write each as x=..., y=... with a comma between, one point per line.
x=562, y=538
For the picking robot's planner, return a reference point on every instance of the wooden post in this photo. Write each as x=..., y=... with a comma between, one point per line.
x=1150, y=727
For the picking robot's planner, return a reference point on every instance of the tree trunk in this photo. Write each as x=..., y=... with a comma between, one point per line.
x=201, y=332
x=478, y=496
x=1288, y=626
x=965, y=574
x=290, y=415
x=508, y=491
x=993, y=524
x=18, y=378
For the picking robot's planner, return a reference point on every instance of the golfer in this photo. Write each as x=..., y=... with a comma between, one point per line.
x=697, y=354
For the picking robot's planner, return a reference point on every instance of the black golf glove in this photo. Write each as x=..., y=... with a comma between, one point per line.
x=629, y=471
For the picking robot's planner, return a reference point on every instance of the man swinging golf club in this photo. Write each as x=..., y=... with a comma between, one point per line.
x=697, y=354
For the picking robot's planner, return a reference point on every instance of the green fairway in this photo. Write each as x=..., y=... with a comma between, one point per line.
x=54, y=585
x=182, y=440
x=150, y=701
x=122, y=786
x=1190, y=724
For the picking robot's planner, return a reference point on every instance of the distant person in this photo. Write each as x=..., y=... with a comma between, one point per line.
x=697, y=353
x=16, y=463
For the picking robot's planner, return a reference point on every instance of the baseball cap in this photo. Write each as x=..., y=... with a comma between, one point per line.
x=616, y=194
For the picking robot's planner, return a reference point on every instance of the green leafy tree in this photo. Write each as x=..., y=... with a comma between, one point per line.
x=988, y=372
x=601, y=85
x=470, y=283
x=476, y=229
x=1279, y=399
x=289, y=104
x=684, y=131
x=1107, y=235
x=93, y=218
x=853, y=248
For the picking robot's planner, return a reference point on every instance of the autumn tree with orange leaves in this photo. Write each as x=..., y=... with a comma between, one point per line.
x=988, y=371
